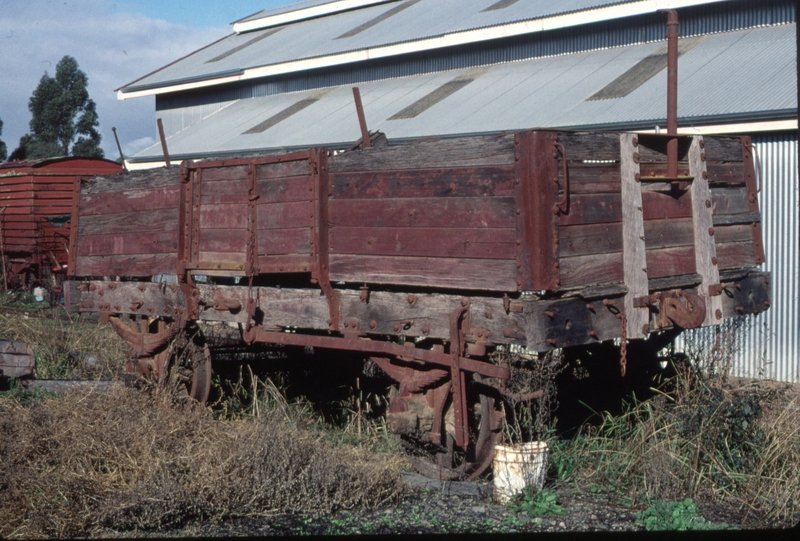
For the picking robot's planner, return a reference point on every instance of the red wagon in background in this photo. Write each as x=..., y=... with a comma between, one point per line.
x=36, y=198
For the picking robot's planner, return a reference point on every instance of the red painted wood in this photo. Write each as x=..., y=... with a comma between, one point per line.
x=732, y=255
x=223, y=240
x=425, y=242
x=670, y=262
x=729, y=200
x=132, y=243
x=284, y=215
x=591, y=269
x=134, y=265
x=127, y=201
x=592, y=209
x=668, y=233
x=485, y=274
x=224, y=216
x=455, y=182
x=284, y=190
x=141, y=222
x=588, y=239
x=725, y=173
x=218, y=174
x=295, y=168
x=494, y=212
x=284, y=263
x=733, y=233
x=657, y=206
x=284, y=241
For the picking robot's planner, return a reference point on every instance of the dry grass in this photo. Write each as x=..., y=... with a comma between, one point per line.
x=81, y=464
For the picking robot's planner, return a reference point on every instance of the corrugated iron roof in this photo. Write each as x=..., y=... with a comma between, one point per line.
x=323, y=36
x=745, y=72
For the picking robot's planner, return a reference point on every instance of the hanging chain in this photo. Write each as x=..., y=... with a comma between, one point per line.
x=623, y=346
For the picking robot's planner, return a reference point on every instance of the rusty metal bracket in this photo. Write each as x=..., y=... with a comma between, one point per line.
x=684, y=309
x=252, y=223
x=457, y=375
x=141, y=343
x=320, y=273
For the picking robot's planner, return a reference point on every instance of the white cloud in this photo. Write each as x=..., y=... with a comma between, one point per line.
x=113, y=49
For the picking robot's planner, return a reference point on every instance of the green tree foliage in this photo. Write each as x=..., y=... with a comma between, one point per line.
x=64, y=117
x=3, y=151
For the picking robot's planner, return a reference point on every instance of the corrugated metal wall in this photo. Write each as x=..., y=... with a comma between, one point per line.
x=768, y=345
x=179, y=109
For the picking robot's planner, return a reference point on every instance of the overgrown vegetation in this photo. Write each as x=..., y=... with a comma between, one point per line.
x=709, y=437
x=80, y=464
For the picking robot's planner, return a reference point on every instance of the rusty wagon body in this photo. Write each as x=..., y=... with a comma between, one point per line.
x=36, y=198
x=426, y=257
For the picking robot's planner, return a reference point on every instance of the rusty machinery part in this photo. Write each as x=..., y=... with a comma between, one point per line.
x=422, y=412
x=169, y=354
x=684, y=309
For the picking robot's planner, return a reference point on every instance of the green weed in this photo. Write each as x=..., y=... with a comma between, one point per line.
x=536, y=503
x=680, y=516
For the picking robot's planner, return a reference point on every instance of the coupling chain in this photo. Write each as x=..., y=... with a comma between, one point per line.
x=623, y=346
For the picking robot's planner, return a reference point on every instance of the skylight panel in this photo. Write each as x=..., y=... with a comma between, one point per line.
x=439, y=94
x=500, y=5
x=380, y=18
x=320, y=10
x=244, y=45
x=287, y=112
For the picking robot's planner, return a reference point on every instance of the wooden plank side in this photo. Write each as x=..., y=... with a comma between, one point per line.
x=492, y=212
x=126, y=244
x=294, y=168
x=669, y=233
x=451, y=182
x=223, y=240
x=658, y=205
x=733, y=233
x=480, y=274
x=734, y=255
x=592, y=269
x=589, y=239
x=725, y=200
x=135, y=180
x=130, y=200
x=225, y=173
x=133, y=265
x=635, y=269
x=723, y=149
x=148, y=221
x=731, y=174
x=284, y=241
x=230, y=216
x=592, y=209
x=284, y=190
x=666, y=262
x=471, y=243
x=289, y=215
x=430, y=153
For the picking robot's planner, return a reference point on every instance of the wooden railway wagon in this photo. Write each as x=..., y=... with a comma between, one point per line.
x=427, y=257
x=36, y=199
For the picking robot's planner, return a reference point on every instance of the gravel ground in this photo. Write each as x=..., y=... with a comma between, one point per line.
x=454, y=508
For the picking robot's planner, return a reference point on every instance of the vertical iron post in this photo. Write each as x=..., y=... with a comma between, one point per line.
x=163, y=141
x=672, y=91
x=121, y=157
x=362, y=121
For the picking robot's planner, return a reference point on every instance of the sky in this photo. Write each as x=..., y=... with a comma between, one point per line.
x=114, y=42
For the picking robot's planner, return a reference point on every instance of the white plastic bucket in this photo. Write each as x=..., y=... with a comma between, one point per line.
x=518, y=466
x=38, y=294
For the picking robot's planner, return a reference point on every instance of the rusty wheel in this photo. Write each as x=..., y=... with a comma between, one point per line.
x=187, y=368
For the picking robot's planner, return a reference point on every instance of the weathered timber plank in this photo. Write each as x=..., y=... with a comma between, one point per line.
x=294, y=168
x=589, y=239
x=662, y=206
x=284, y=215
x=723, y=149
x=593, y=209
x=127, y=244
x=732, y=255
x=634, y=264
x=141, y=298
x=430, y=153
x=494, y=212
x=472, y=243
x=669, y=233
x=131, y=265
x=283, y=190
x=223, y=191
x=481, y=274
x=222, y=240
x=284, y=241
x=591, y=269
x=130, y=201
x=222, y=257
x=149, y=221
x=451, y=182
x=135, y=180
x=583, y=174
x=733, y=233
x=734, y=219
x=284, y=263
x=653, y=148
x=227, y=173
x=729, y=200
x=704, y=241
x=16, y=359
x=666, y=262
x=231, y=216
x=590, y=146
x=725, y=173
